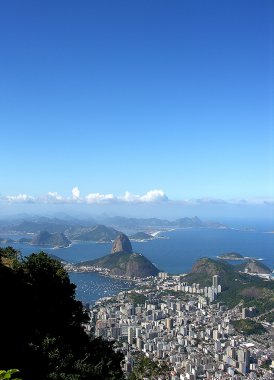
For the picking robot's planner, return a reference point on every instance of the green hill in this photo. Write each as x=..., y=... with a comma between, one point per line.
x=44, y=238
x=205, y=268
x=254, y=266
x=125, y=264
x=236, y=287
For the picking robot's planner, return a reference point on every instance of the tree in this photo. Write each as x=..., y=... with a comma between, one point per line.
x=42, y=330
x=147, y=368
x=7, y=375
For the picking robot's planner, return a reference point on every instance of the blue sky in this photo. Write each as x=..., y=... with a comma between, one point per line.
x=170, y=101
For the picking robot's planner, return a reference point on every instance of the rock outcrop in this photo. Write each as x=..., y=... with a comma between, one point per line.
x=123, y=262
x=121, y=244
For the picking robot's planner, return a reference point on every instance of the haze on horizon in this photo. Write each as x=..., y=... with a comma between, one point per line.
x=137, y=108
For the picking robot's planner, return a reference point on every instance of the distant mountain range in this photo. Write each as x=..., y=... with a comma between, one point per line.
x=98, y=233
x=73, y=227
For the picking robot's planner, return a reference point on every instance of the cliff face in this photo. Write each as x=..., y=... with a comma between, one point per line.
x=121, y=244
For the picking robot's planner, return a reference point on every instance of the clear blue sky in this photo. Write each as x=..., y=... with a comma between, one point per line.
x=115, y=96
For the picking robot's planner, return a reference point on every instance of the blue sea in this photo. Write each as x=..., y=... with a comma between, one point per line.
x=174, y=252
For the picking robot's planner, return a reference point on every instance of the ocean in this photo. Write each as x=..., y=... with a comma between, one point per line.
x=174, y=252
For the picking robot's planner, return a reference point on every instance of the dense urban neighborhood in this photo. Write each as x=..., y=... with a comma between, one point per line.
x=183, y=332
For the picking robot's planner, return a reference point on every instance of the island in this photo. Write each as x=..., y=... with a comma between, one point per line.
x=55, y=240
x=141, y=236
x=231, y=256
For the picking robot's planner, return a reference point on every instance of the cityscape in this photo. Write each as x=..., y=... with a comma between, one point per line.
x=185, y=328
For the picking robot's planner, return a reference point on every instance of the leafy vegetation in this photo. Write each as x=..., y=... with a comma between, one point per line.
x=136, y=298
x=146, y=368
x=7, y=375
x=41, y=324
x=269, y=317
x=248, y=327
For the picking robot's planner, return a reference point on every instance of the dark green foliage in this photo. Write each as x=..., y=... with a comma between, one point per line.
x=250, y=291
x=146, y=368
x=248, y=327
x=269, y=317
x=41, y=326
x=136, y=298
x=10, y=256
x=7, y=375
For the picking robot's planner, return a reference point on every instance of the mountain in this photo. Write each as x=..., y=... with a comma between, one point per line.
x=205, y=268
x=254, y=266
x=44, y=238
x=237, y=287
x=121, y=244
x=6, y=241
x=41, y=224
x=123, y=262
x=136, y=223
x=189, y=222
x=98, y=233
x=211, y=267
x=71, y=226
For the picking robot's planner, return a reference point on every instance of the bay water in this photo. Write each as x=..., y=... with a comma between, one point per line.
x=174, y=252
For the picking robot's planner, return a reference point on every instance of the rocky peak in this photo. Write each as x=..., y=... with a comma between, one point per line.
x=121, y=244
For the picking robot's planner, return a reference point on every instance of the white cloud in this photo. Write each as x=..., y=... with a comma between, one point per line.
x=75, y=193
x=208, y=200
x=152, y=196
x=128, y=197
x=21, y=198
x=99, y=198
x=52, y=197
